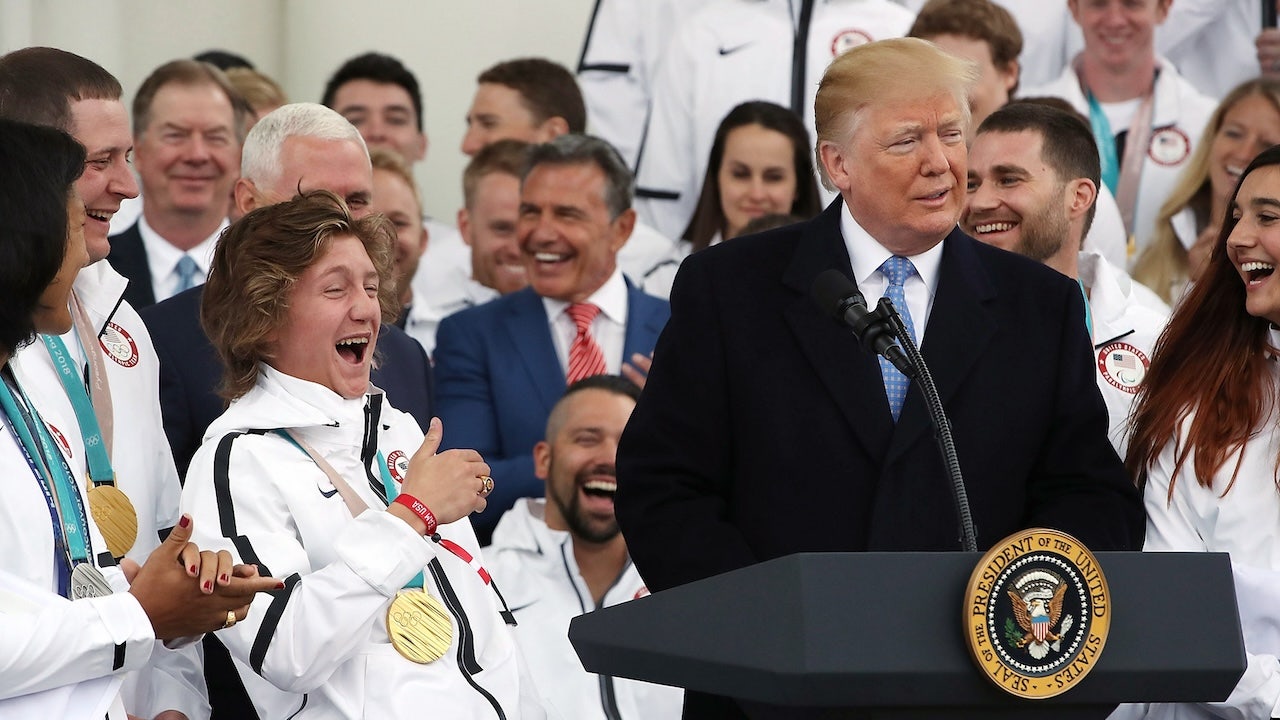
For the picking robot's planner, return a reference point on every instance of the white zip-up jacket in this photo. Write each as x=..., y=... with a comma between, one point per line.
x=1178, y=117
x=142, y=460
x=322, y=641
x=1127, y=320
x=48, y=642
x=731, y=52
x=540, y=580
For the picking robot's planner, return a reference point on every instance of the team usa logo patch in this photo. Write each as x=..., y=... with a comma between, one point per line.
x=1169, y=146
x=1037, y=611
x=119, y=345
x=398, y=465
x=846, y=40
x=1123, y=366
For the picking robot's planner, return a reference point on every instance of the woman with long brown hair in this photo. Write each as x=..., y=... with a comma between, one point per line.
x=1205, y=439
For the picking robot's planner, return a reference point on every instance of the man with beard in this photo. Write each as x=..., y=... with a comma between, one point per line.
x=1032, y=182
x=562, y=556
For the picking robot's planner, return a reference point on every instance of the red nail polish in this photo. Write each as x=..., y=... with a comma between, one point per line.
x=185, y=521
x=208, y=585
x=224, y=577
x=192, y=569
x=279, y=586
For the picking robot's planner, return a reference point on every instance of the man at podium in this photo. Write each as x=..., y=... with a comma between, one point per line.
x=765, y=430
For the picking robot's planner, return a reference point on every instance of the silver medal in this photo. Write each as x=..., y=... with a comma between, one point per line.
x=88, y=581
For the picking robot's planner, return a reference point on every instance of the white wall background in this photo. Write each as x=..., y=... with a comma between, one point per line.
x=299, y=43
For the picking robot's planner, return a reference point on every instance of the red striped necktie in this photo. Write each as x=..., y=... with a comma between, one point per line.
x=585, y=357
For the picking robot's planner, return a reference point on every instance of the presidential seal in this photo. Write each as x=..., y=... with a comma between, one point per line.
x=1036, y=613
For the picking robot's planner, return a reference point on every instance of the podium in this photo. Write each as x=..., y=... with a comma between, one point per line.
x=884, y=631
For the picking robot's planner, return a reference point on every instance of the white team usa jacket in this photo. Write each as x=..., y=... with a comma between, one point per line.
x=142, y=460
x=540, y=580
x=321, y=644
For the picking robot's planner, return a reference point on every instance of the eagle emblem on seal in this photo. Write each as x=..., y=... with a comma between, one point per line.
x=1037, y=607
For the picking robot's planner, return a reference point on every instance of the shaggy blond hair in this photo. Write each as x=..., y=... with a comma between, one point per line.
x=884, y=70
x=259, y=260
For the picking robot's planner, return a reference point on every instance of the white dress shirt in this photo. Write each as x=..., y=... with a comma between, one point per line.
x=163, y=257
x=609, y=328
x=866, y=255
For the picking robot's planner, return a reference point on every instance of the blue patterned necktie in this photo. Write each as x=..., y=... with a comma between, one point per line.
x=186, y=270
x=897, y=270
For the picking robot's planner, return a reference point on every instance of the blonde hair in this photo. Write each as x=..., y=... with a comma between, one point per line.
x=1164, y=262
x=259, y=90
x=383, y=159
x=879, y=70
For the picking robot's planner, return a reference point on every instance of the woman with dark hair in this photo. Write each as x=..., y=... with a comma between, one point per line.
x=761, y=163
x=310, y=472
x=52, y=545
x=1205, y=441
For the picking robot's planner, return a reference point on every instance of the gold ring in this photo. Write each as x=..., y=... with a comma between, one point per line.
x=486, y=486
x=231, y=619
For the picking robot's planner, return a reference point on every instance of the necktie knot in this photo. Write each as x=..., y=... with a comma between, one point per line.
x=582, y=315
x=186, y=270
x=897, y=269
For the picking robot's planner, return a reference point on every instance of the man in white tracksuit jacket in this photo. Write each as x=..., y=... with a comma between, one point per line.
x=563, y=556
x=1120, y=82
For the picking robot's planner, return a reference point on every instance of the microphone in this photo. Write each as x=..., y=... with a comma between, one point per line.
x=834, y=293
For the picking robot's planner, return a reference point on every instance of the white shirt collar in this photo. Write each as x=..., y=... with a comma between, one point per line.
x=866, y=255
x=611, y=298
x=163, y=257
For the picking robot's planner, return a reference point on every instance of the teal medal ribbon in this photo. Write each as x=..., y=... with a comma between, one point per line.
x=55, y=479
x=1088, y=310
x=95, y=449
x=1106, y=144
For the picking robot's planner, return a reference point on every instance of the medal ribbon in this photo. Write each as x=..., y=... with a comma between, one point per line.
x=72, y=521
x=95, y=446
x=101, y=389
x=1122, y=177
x=357, y=506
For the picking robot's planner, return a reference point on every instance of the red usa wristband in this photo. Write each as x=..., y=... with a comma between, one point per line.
x=419, y=509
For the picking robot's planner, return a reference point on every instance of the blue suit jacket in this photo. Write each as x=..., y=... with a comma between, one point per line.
x=190, y=373
x=129, y=258
x=499, y=376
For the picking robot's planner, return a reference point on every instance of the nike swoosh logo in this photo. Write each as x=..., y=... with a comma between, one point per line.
x=329, y=494
x=518, y=609
x=734, y=49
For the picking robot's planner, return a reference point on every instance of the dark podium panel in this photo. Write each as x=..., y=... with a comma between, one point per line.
x=885, y=630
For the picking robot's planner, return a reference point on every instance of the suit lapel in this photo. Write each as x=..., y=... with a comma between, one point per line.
x=958, y=332
x=527, y=325
x=851, y=375
x=129, y=257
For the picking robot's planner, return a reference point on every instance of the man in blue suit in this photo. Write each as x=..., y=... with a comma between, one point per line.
x=501, y=366
x=765, y=430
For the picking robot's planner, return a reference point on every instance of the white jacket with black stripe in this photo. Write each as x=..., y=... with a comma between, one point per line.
x=322, y=641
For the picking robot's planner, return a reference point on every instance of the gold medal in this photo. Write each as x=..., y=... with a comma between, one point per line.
x=419, y=627
x=115, y=517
